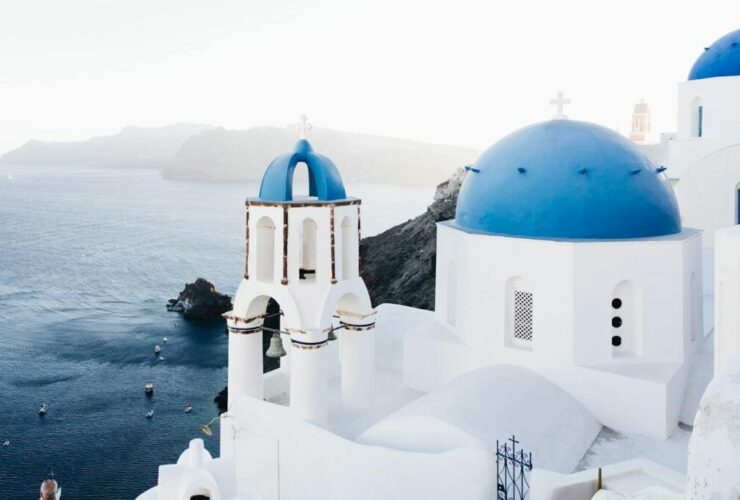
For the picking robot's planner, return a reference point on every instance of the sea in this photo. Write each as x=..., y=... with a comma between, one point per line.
x=88, y=259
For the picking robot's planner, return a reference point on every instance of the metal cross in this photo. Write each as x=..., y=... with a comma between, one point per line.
x=303, y=126
x=559, y=104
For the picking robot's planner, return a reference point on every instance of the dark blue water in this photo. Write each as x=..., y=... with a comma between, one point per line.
x=88, y=258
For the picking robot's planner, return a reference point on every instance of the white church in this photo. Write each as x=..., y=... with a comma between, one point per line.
x=580, y=290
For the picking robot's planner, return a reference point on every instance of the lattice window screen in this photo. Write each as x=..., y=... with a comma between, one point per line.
x=523, y=304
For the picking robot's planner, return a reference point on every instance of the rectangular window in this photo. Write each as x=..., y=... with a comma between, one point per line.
x=523, y=326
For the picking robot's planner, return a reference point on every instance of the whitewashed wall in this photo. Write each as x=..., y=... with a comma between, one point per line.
x=283, y=457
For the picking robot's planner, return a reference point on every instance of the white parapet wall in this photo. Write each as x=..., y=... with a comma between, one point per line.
x=284, y=457
x=625, y=478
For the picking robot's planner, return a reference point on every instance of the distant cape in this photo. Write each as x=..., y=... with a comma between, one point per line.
x=201, y=152
x=221, y=154
x=143, y=147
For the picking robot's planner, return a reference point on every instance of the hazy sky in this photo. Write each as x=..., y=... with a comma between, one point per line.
x=457, y=72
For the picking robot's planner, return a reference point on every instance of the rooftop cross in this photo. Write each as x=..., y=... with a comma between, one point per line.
x=303, y=126
x=559, y=102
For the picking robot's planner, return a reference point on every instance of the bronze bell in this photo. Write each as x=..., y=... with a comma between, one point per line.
x=331, y=335
x=276, y=349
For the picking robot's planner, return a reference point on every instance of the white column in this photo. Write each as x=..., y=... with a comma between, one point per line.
x=358, y=365
x=226, y=445
x=285, y=360
x=308, y=374
x=245, y=361
x=726, y=297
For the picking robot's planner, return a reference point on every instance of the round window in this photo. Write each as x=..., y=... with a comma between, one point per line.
x=616, y=321
x=616, y=341
x=616, y=303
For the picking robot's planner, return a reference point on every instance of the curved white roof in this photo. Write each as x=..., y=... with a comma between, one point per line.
x=492, y=404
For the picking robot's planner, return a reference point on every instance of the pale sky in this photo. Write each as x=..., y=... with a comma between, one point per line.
x=458, y=72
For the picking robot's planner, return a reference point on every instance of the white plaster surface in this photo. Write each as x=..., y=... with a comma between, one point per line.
x=491, y=404
x=714, y=449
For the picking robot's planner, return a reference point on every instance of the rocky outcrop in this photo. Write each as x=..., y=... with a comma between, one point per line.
x=398, y=265
x=200, y=301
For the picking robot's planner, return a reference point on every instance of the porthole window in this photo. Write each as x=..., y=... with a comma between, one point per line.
x=616, y=321
x=616, y=303
x=616, y=341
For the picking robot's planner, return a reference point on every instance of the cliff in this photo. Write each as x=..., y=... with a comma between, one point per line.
x=398, y=265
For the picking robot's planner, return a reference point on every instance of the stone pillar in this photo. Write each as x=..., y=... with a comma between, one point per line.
x=308, y=375
x=245, y=359
x=357, y=350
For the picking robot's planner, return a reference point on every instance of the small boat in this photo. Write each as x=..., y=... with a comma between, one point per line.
x=188, y=408
x=6, y=442
x=150, y=414
x=161, y=358
x=149, y=389
x=164, y=340
x=50, y=489
x=157, y=349
x=43, y=410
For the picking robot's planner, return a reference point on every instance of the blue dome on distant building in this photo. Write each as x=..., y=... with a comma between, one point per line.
x=565, y=179
x=324, y=180
x=722, y=58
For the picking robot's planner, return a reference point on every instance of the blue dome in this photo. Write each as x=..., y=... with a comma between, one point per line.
x=565, y=179
x=324, y=181
x=722, y=58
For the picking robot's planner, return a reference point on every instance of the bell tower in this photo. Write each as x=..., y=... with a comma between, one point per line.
x=640, y=131
x=302, y=252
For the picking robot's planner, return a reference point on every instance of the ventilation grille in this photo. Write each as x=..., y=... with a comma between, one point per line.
x=523, y=316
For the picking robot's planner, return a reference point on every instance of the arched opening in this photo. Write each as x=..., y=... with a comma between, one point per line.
x=626, y=320
x=519, y=313
x=199, y=493
x=272, y=314
x=300, y=182
x=451, y=294
x=307, y=271
x=265, y=249
x=348, y=249
x=697, y=118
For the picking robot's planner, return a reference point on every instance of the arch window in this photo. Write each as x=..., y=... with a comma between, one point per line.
x=307, y=271
x=349, y=237
x=697, y=118
x=265, y=249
